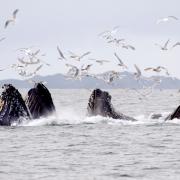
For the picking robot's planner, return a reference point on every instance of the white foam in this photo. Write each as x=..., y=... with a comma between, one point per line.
x=70, y=117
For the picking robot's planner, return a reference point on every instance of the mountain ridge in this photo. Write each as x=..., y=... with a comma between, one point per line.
x=59, y=81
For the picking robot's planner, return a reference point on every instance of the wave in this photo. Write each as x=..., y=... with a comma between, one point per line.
x=69, y=117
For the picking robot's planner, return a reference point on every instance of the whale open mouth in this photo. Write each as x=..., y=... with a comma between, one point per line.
x=12, y=106
x=99, y=103
x=39, y=101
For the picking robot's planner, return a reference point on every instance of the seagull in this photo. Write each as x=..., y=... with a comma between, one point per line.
x=111, y=77
x=13, y=19
x=157, y=69
x=99, y=61
x=120, y=61
x=73, y=71
x=164, y=48
x=78, y=57
x=61, y=54
x=166, y=19
x=138, y=73
x=31, y=55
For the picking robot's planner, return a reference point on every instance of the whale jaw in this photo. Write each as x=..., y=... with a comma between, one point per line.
x=39, y=101
x=13, y=108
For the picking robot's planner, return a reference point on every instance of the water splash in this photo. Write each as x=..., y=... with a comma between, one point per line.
x=69, y=117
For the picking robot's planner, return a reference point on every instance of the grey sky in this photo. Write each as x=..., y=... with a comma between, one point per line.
x=75, y=24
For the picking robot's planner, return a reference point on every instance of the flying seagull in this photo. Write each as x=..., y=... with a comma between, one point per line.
x=120, y=61
x=13, y=19
x=164, y=47
x=78, y=57
x=73, y=71
x=157, y=69
x=138, y=73
x=166, y=19
x=61, y=54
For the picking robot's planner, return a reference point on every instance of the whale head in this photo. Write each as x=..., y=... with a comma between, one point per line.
x=99, y=103
x=13, y=107
x=39, y=101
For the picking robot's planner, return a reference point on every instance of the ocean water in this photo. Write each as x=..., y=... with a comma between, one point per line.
x=69, y=145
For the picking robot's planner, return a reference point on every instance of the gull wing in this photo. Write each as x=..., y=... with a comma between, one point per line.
x=121, y=62
x=177, y=44
x=137, y=69
x=131, y=47
x=147, y=69
x=165, y=46
x=161, y=67
x=85, y=54
x=103, y=33
x=15, y=13
x=60, y=53
x=21, y=60
x=7, y=23
x=38, y=68
x=173, y=17
x=37, y=52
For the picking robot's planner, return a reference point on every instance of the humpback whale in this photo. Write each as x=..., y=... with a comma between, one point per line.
x=100, y=104
x=39, y=101
x=13, y=107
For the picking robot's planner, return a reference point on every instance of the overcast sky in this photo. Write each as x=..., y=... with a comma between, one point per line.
x=75, y=24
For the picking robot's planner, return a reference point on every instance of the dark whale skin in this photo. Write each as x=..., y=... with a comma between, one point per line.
x=39, y=101
x=175, y=114
x=100, y=104
x=13, y=108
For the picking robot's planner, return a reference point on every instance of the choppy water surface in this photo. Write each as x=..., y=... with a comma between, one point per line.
x=73, y=146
